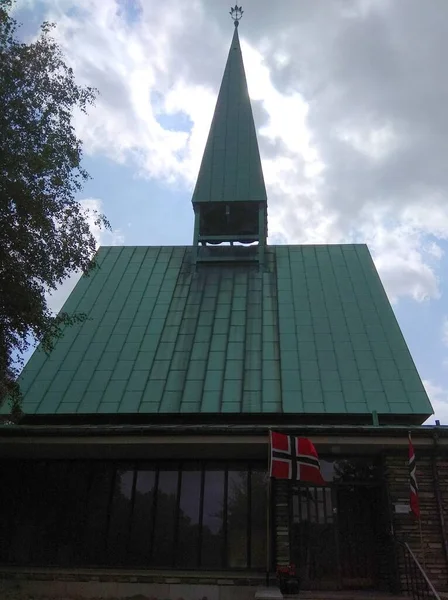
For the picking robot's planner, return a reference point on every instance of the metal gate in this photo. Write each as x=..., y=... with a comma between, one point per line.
x=336, y=535
x=357, y=540
x=313, y=536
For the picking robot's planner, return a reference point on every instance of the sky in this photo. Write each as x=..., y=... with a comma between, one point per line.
x=349, y=100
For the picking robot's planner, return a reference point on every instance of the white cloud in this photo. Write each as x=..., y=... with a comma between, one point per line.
x=376, y=143
x=351, y=112
x=131, y=65
x=287, y=112
x=405, y=266
x=445, y=331
x=103, y=237
x=439, y=401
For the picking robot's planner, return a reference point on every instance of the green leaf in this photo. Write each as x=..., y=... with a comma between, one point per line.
x=44, y=231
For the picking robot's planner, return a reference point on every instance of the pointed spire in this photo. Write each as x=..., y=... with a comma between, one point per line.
x=231, y=167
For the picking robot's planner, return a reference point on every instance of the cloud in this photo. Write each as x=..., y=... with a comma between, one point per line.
x=382, y=180
x=405, y=264
x=56, y=298
x=103, y=237
x=445, y=331
x=445, y=339
x=134, y=67
x=350, y=99
x=439, y=401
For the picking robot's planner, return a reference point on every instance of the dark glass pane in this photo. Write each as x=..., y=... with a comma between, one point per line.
x=61, y=514
x=120, y=515
x=312, y=536
x=97, y=513
x=24, y=526
x=165, y=519
x=11, y=478
x=212, y=520
x=188, y=527
x=237, y=518
x=353, y=469
x=74, y=514
x=52, y=526
x=258, y=518
x=28, y=532
x=140, y=536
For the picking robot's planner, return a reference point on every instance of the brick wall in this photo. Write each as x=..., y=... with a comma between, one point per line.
x=429, y=547
x=442, y=472
x=280, y=492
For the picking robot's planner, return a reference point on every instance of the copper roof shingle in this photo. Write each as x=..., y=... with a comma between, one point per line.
x=312, y=334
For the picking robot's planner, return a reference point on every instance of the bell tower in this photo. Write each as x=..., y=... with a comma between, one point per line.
x=229, y=199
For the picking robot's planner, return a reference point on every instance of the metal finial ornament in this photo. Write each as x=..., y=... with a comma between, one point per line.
x=236, y=13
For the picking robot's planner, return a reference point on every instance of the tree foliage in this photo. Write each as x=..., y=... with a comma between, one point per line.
x=44, y=231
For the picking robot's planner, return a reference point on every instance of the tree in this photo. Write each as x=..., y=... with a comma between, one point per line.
x=44, y=231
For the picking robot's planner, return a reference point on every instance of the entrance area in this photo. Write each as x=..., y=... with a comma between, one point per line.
x=339, y=535
x=359, y=536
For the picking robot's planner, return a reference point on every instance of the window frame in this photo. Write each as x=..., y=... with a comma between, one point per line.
x=136, y=467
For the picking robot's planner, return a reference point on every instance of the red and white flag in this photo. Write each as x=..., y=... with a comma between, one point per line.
x=415, y=504
x=294, y=458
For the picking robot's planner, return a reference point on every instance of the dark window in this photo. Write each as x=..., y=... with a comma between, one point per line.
x=120, y=515
x=237, y=518
x=166, y=510
x=11, y=498
x=101, y=486
x=93, y=513
x=30, y=506
x=212, y=553
x=258, y=516
x=353, y=469
x=74, y=514
x=139, y=548
x=187, y=550
x=51, y=526
x=312, y=538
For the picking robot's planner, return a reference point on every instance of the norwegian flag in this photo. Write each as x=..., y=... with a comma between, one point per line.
x=415, y=504
x=294, y=458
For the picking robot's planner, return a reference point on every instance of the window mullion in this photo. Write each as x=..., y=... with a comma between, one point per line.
x=154, y=510
x=177, y=516
x=131, y=515
x=109, y=507
x=224, y=520
x=201, y=514
x=249, y=513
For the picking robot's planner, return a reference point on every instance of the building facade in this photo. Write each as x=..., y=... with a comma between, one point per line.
x=141, y=462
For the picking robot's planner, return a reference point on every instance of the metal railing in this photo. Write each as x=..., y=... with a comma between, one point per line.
x=415, y=581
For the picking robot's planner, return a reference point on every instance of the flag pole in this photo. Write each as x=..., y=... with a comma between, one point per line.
x=268, y=514
x=421, y=542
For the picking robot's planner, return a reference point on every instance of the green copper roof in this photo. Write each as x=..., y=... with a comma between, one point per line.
x=231, y=167
x=313, y=334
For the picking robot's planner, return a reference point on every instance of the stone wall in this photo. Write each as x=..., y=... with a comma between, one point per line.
x=91, y=585
x=432, y=554
x=280, y=492
x=429, y=545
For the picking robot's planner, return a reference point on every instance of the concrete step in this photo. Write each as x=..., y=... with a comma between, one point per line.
x=346, y=595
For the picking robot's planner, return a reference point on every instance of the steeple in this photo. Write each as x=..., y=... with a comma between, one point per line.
x=229, y=199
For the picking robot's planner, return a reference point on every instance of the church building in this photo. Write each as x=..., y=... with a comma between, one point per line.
x=141, y=462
